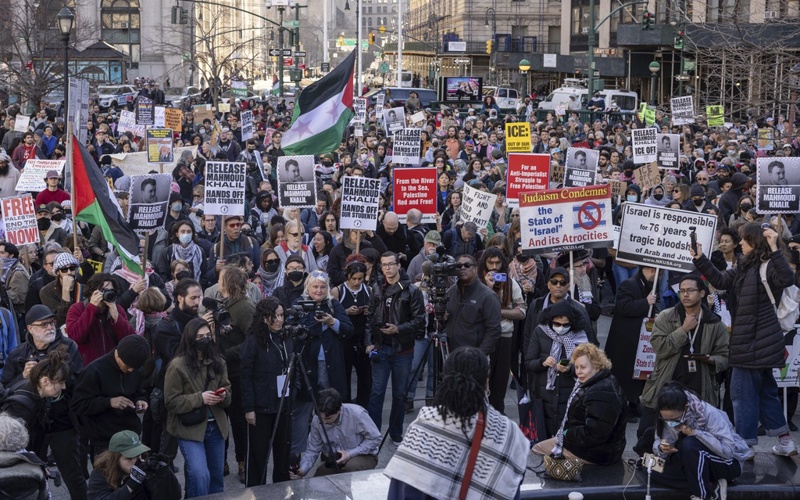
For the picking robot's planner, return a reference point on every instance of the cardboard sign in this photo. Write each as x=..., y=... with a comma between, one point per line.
x=415, y=188
x=477, y=206
x=204, y=112
x=159, y=145
x=32, y=178
x=173, y=118
x=360, y=200
x=149, y=197
x=668, y=151
x=618, y=188
x=418, y=119
x=19, y=218
x=778, y=185
x=526, y=172
x=360, y=109
x=248, y=125
x=127, y=123
x=647, y=176
x=518, y=137
x=225, y=184
x=645, y=148
x=22, y=123
x=406, y=146
x=144, y=111
x=682, y=110
x=560, y=220
x=715, y=115
x=297, y=186
x=556, y=175
x=659, y=237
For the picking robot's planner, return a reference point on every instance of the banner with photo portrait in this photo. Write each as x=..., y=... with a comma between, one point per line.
x=581, y=167
x=159, y=145
x=682, y=110
x=406, y=146
x=225, y=186
x=394, y=119
x=668, y=151
x=645, y=145
x=778, y=185
x=360, y=200
x=297, y=186
x=149, y=197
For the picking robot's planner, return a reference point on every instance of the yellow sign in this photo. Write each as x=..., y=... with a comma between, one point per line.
x=96, y=265
x=518, y=137
x=648, y=114
x=715, y=115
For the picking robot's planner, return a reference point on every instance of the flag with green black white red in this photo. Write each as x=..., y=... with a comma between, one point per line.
x=95, y=203
x=322, y=112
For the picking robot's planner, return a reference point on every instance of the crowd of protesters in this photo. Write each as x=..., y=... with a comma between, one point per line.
x=193, y=355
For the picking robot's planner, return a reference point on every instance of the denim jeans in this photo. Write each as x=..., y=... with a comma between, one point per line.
x=755, y=399
x=204, y=462
x=623, y=273
x=419, y=350
x=384, y=363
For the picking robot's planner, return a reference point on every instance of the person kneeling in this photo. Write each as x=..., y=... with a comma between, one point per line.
x=351, y=433
x=702, y=450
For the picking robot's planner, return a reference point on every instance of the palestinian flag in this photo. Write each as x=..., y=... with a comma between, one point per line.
x=95, y=203
x=276, y=86
x=322, y=112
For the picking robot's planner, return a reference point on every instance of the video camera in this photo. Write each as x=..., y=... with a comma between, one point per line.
x=293, y=326
x=437, y=271
x=222, y=317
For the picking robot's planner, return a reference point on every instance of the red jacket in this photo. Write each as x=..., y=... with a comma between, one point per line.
x=93, y=333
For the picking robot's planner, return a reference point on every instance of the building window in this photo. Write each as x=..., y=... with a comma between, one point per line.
x=120, y=26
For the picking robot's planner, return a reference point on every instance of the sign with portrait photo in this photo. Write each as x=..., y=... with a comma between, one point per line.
x=149, y=197
x=297, y=186
x=668, y=150
x=778, y=185
x=581, y=167
x=159, y=145
x=394, y=119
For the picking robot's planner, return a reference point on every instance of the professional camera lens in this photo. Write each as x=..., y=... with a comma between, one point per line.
x=109, y=296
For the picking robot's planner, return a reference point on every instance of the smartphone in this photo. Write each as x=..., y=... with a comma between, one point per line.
x=564, y=362
x=220, y=391
x=499, y=277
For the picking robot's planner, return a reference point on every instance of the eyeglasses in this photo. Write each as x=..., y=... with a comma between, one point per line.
x=387, y=265
x=294, y=234
x=514, y=216
x=676, y=190
x=272, y=261
x=465, y=265
x=70, y=269
x=44, y=326
x=557, y=323
x=688, y=291
x=559, y=282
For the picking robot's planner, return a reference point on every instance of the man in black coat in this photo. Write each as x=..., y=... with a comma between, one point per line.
x=473, y=310
x=395, y=237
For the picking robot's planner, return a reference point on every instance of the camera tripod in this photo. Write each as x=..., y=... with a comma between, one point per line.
x=295, y=363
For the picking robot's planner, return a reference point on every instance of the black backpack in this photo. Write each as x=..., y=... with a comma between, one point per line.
x=23, y=476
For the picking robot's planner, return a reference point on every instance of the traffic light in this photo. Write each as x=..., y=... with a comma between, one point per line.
x=371, y=38
x=648, y=20
x=340, y=41
x=184, y=16
x=679, y=40
x=488, y=46
x=175, y=10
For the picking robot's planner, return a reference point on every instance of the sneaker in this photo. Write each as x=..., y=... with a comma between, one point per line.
x=792, y=427
x=226, y=470
x=785, y=447
x=242, y=472
x=396, y=440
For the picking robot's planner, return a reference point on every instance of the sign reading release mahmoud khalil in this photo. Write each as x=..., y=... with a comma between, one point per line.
x=778, y=185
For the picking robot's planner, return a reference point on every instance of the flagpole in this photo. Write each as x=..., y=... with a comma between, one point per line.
x=74, y=187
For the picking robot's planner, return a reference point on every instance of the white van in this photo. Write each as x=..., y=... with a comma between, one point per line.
x=625, y=100
x=506, y=97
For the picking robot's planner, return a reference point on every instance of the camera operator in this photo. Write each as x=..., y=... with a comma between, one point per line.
x=98, y=324
x=473, y=310
x=353, y=437
x=294, y=274
x=395, y=319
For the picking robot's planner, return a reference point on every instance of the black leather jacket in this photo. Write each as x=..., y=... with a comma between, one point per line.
x=400, y=304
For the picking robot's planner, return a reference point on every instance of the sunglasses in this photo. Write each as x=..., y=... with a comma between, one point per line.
x=272, y=261
x=559, y=282
x=234, y=225
x=294, y=234
x=557, y=323
x=70, y=269
x=466, y=265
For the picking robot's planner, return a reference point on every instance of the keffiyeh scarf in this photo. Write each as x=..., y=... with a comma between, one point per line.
x=191, y=254
x=566, y=341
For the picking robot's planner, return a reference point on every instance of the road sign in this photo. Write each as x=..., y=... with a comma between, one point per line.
x=291, y=24
x=277, y=52
x=384, y=68
x=300, y=53
x=461, y=61
x=683, y=78
x=325, y=67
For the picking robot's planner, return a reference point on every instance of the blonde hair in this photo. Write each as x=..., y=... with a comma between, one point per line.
x=594, y=354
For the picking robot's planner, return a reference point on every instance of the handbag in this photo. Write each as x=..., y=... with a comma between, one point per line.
x=197, y=415
x=787, y=310
x=473, y=456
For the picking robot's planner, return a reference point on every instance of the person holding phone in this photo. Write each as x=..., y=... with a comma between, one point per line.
x=691, y=346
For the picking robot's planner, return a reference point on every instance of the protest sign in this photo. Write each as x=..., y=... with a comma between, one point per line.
x=78, y=112
x=360, y=199
x=159, y=116
x=659, y=237
x=778, y=185
x=766, y=139
x=518, y=137
x=682, y=110
x=19, y=218
x=647, y=176
x=239, y=88
x=144, y=111
x=559, y=220
x=394, y=119
x=203, y=112
x=22, y=123
x=788, y=375
x=647, y=114
x=173, y=119
x=224, y=107
x=297, y=186
x=618, y=188
x=407, y=145
x=248, y=125
x=32, y=178
x=159, y=145
x=556, y=175
x=715, y=116
x=415, y=188
x=149, y=197
x=127, y=123
x=360, y=109
x=418, y=119
x=645, y=146
x=581, y=168
x=136, y=163
x=225, y=183
x=379, y=100
x=526, y=172
x=576, y=177
x=668, y=150
x=477, y=206
x=645, y=361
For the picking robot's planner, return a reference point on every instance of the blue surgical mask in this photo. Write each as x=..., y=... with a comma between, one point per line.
x=185, y=238
x=632, y=198
x=672, y=423
x=177, y=207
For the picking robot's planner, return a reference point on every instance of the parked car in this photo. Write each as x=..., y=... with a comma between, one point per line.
x=114, y=96
x=399, y=95
x=177, y=95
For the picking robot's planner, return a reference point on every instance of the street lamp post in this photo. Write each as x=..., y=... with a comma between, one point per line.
x=65, y=20
x=524, y=66
x=654, y=69
x=487, y=14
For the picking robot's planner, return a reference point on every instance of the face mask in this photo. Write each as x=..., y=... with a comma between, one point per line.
x=745, y=207
x=57, y=217
x=185, y=238
x=794, y=255
x=202, y=131
x=273, y=266
x=632, y=198
x=560, y=330
x=327, y=163
x=363, y=157
x=658, y=197
x=43, y=223
x=183, y=275
x=672, y=423
x=697, y=203
x=204, y=345
x=295, y=275
x=177, y=207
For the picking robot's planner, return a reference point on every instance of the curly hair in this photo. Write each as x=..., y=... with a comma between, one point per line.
x=594, y=354
x=462, y=392
x=13, y=434
x=266, y=312
x=54, y=366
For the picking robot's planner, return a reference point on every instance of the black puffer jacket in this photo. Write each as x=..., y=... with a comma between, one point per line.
x=756, y=336
x=596, y=420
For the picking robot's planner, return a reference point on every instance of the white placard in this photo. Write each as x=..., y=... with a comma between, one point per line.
x=682, y=110
x=158, y=116
x=19, y=220
x=407, y=145
x=127, y=123
x=32, y=178
x=149, y=197
x=645, y=148
x=360, y=199
x=21, y=123
x=550, y=60
x=360, y=109
x=248, y=125
x=394, y=119
x=297, y=185
x=477, y=206
x=225, y=184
